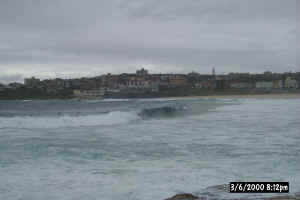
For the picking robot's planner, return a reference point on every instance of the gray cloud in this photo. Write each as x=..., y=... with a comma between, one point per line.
x=84, y=38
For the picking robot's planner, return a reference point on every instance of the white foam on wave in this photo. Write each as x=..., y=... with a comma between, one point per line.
x=26, y=100
x=157, y=99
x=112, y=118
x=114, y=100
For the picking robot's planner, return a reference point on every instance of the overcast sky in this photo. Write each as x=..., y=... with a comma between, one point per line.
x=74, y=38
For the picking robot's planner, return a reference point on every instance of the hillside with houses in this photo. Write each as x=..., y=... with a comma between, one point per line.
x=144, y=84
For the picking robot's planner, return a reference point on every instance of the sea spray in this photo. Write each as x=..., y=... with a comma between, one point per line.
x=59, y=121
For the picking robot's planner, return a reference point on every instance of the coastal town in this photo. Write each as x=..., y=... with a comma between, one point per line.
x=143, y=84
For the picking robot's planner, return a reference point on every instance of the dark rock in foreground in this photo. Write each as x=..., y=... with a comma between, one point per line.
x=185, y=196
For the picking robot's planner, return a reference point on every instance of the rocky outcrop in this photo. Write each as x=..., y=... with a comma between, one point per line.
x=184, y=196
x=187, y=196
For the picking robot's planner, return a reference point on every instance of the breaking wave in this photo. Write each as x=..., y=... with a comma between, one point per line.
x=111, y=118
x=164, y=111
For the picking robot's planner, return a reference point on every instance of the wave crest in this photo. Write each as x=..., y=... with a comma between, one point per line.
x=111, y=118
x=165, y=111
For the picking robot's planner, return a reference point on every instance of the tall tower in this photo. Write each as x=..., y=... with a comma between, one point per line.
x=214, y=82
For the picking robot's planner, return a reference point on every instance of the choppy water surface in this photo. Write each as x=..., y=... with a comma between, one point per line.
x=146, y=149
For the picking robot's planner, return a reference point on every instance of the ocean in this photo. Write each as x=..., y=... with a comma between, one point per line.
x=145, y=149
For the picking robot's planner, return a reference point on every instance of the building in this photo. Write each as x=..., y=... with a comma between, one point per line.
x=204, y=84
x=241, y=85
x=264, y=84
x=291, y=83
x=221, y=84
x=89, y=94
x=140, y=84
x=108, y=80
x=142, y=72
x=278, y=84
x=136, y=82
x=234, y=76
x=177, y=80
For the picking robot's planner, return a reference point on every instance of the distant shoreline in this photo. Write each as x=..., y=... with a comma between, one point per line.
x=246, y=96
x=180, y=94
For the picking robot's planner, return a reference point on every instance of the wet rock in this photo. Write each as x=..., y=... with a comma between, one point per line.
x=184, y=196
x=187, y=196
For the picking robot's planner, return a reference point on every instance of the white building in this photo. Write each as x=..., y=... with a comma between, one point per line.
x=87, y=94
x=264, y=84
x=291, y=83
